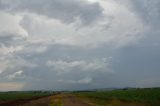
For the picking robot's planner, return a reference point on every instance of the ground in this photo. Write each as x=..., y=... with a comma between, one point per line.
x=55, y=100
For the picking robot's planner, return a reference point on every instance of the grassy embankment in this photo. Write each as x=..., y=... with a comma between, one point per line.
x=131, y=97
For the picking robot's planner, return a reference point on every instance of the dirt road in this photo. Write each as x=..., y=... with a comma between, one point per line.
x=70, y=100
x=55, y=100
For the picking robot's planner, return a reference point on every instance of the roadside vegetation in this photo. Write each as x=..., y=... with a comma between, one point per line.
x=128, y=97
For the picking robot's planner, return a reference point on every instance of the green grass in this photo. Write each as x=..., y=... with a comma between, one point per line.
x=148, y=96
x=7, y=96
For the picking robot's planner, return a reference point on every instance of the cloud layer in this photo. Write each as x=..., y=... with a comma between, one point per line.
x=65, y=11
x=78, y=44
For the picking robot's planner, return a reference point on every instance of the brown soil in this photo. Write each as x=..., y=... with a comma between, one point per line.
x=39, y=102
x=69, y=100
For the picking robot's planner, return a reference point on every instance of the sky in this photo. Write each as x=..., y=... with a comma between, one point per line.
x=79, y=44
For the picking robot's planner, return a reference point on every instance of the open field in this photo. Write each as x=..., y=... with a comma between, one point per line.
x=131, y=97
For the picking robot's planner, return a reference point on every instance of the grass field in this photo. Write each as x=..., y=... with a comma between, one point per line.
x=141, y=97
x=7, y=96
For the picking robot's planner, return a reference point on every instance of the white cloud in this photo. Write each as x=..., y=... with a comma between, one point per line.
x=8, y=50
x=62, y=66
x=1, y=71
x=15, y=75
x=85, y=80
x=10, y=24
x=93, y=1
